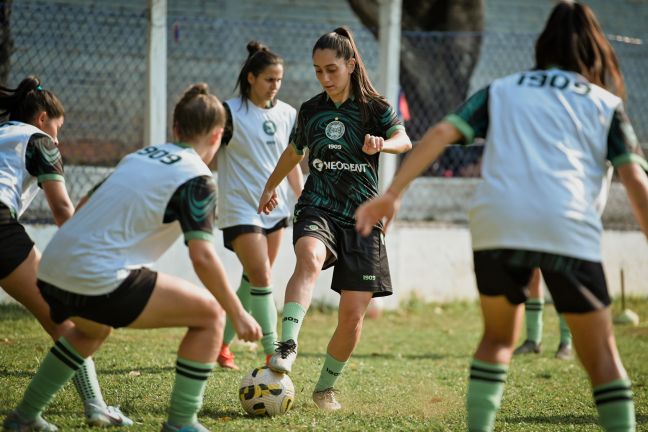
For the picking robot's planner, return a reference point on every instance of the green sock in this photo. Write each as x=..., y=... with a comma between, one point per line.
x=87, y=385
x=188, y=390
x=264, y=311
x=243, y=294
x=331, y=371
x=293, y=315
x=485, y=389
x=533, y=314
x=565, y=334
x=615, y=406
x=58, y=366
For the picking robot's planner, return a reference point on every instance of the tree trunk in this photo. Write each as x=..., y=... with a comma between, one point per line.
x=6, y=42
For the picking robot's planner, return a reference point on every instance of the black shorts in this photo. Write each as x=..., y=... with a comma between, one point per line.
x=360, y=262
x=15, y=244
x=230, y=233
x=576, y=285
x=118, y=308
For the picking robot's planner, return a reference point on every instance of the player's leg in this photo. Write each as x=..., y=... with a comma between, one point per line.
x=175, y=302
x=533, y=311
x=63, y=360
x=501, y=289
x=352, y=308
x=311, y=254
x=225, y=357
x=252, y=251
x=20, y=284
x=580, y=293
x=564, y=351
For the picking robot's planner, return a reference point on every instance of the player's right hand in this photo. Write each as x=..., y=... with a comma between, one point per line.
x=268, y=201
x=247, y=328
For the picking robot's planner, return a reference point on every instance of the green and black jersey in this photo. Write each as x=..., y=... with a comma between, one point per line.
x=341, y=176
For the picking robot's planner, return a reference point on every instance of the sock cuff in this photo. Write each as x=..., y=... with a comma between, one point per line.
x=330, y=360
x=484, y=371
x=617, y=390
x=293, y=308
x=193, y=369
x=534, y=304
x=260, y=290
x=65, y=352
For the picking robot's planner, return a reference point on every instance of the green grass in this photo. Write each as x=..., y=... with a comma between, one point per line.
x=408, y=373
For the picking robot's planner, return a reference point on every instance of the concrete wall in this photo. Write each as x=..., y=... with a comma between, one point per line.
x=432, y=262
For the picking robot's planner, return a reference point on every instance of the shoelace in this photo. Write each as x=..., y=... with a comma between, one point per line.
x=285, y=348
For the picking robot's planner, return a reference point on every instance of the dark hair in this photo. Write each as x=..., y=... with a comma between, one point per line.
x=259, y=58
x=197, y=113
x=27, y=100
x=573, y=40
x=341, y=41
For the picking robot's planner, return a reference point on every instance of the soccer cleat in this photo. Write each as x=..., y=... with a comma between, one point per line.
x=564, y=352
x=15, y=423
x=100, y=415
x=528, y=347
x=326, y=400
x=226, y=358
x=193, y=427
x=283, y=359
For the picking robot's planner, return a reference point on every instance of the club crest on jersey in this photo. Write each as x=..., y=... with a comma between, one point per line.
x=335, y=130
x=269, y=127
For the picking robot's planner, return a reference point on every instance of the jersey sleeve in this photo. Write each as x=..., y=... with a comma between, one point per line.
x=298, y=135
x=471, y=119
x=389, y=122
x=623, y=146
x=228, y=132
x=193, y=204
x=43, y=159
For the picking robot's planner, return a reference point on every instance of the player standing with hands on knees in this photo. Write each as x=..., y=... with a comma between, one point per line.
x=256, y=133
x=29, y=159
x=344, y=129
x=94, y=270
x=549, y=134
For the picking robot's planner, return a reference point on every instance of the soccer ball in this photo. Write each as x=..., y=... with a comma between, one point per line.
x=266, y=393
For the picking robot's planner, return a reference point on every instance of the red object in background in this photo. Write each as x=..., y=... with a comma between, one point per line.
x=403, y=107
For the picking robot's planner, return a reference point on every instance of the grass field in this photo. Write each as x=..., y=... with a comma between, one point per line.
x=408, y=373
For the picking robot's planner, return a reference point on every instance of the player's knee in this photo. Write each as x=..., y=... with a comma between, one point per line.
x=309, y=262
x=260, y=275
x=351, y=321
x=213, y=315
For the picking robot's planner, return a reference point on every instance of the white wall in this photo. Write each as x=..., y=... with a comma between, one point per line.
x=430, y=261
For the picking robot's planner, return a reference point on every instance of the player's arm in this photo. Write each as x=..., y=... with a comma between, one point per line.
x=193, y=205
x=394, y=139
x=43, y=161
x=470, y=120
x=626, y=156
x=289, y=160
x=296, y=180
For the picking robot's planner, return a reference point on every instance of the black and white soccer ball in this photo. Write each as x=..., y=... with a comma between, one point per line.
x=264, y=392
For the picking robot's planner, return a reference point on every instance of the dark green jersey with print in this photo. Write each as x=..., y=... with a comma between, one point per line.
x=341, y=176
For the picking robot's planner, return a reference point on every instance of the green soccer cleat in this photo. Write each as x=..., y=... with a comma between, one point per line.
x=14, y=422
x=564, y=352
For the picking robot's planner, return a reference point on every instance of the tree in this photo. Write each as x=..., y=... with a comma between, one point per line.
x=6, y=42
x=440, y=47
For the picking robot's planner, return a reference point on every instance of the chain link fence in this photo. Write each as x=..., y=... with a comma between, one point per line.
x=93, y=56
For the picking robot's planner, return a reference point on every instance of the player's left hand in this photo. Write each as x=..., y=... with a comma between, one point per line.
x=381, y=208
x=373, y=144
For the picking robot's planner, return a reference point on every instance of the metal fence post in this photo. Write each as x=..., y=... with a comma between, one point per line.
x=156, y=70
x=389, y=64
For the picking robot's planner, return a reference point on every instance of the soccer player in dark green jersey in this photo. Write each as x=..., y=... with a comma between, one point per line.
x=559, y=122
x=344, y=129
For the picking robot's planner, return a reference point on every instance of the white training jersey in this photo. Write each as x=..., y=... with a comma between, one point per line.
x=549, y=135
x=121, y=228
x=18, y=186
x=246, y=161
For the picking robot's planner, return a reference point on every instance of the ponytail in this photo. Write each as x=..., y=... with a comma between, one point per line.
x=27, y=100
x=197, y=113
